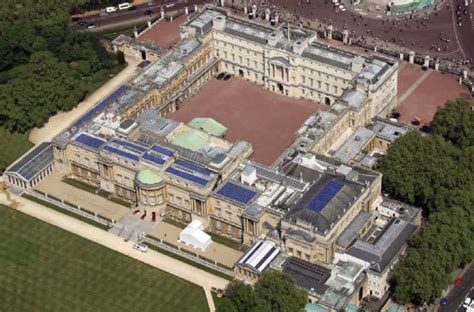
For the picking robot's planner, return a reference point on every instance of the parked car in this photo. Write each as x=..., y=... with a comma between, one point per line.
x=467, y=302
x=227, y=77
x=103, y=14
x=140, y=247
x=124, y=6
x=148, y=12
x=132, y=8
x=110, y=9
x=220, y=76
x=90, y=26
x=82, y=23
x=76, y=18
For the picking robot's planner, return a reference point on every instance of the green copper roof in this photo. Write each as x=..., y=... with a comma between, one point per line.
x=191, y=139
x=208, y=125
x=314, y=307
x=148, y=176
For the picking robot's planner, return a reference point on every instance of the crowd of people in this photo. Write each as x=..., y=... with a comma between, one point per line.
x=427, y=32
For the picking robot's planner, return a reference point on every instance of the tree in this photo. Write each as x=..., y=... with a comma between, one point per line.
x=417, y=167
x=436, y=173
x=278, y=291
x=274, y=292
x=44, y=65
x=455, y=122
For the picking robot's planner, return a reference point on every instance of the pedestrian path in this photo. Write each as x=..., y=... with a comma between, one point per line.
x=132, y=227
x=61, y=120
x=109, y=240
x=413, y=87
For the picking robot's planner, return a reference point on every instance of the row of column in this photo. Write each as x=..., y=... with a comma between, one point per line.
x=285, y=73
x=33, y=182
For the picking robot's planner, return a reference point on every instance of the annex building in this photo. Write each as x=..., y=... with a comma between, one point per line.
x=301, y=206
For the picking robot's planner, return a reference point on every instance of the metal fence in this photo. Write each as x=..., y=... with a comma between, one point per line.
x=189, y=255
x=110, y=223
x=72, y=208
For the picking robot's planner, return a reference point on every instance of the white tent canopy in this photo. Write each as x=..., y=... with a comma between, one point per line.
x=194, y=235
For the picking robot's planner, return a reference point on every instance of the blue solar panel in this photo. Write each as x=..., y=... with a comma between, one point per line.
x=236, y=192
x=325, y=195
x=90, y=141
x=100, y=107
x=187, y=176
x=130, y=145
x=120, y=152
x=163, y=151
x=154, y=158
x=193, y=167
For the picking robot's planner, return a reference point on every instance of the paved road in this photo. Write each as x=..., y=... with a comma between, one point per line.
x=421, y=35
x=92, y=233
x=465, y=33
x=457, y=294
x=120, y=17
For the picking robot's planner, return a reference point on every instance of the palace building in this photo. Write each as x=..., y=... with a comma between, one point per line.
x=302, y=205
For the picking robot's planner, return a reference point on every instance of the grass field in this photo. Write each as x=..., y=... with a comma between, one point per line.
x=43, y=268
x=13, y=146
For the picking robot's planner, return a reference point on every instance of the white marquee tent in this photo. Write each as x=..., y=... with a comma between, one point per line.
x=194, y=235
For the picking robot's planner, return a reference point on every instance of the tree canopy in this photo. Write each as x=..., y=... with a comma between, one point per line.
x=45, y=65
x=275, y=292
x=435, y=172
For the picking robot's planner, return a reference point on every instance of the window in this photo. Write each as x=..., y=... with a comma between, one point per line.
x=218, y=212
x=171, y=197
x=218, y=225
x=229, y=229
x=179, y=200
x=88, y=162
x=229, y=215
x=127, y=181
x=119, y=178
x=78, y=158
x=186, y=203
x=160, y=199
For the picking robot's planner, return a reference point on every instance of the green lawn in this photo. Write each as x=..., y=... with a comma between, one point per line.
x=13, y=145
x=43, y=268
x=81, y=185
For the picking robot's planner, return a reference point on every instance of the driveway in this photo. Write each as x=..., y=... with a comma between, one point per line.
x=61, y=120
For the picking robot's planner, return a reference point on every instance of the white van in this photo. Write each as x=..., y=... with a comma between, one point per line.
x=124, y=6
x=110, y=9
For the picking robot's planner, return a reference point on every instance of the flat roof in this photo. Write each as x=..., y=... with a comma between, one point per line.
x=354, y=145
x=308, y=275
x=388, y=130
x=349, y=234
x=381, y=253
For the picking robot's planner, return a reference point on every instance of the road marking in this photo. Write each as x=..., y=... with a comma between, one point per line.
x=413, y=87
x=455, y=29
